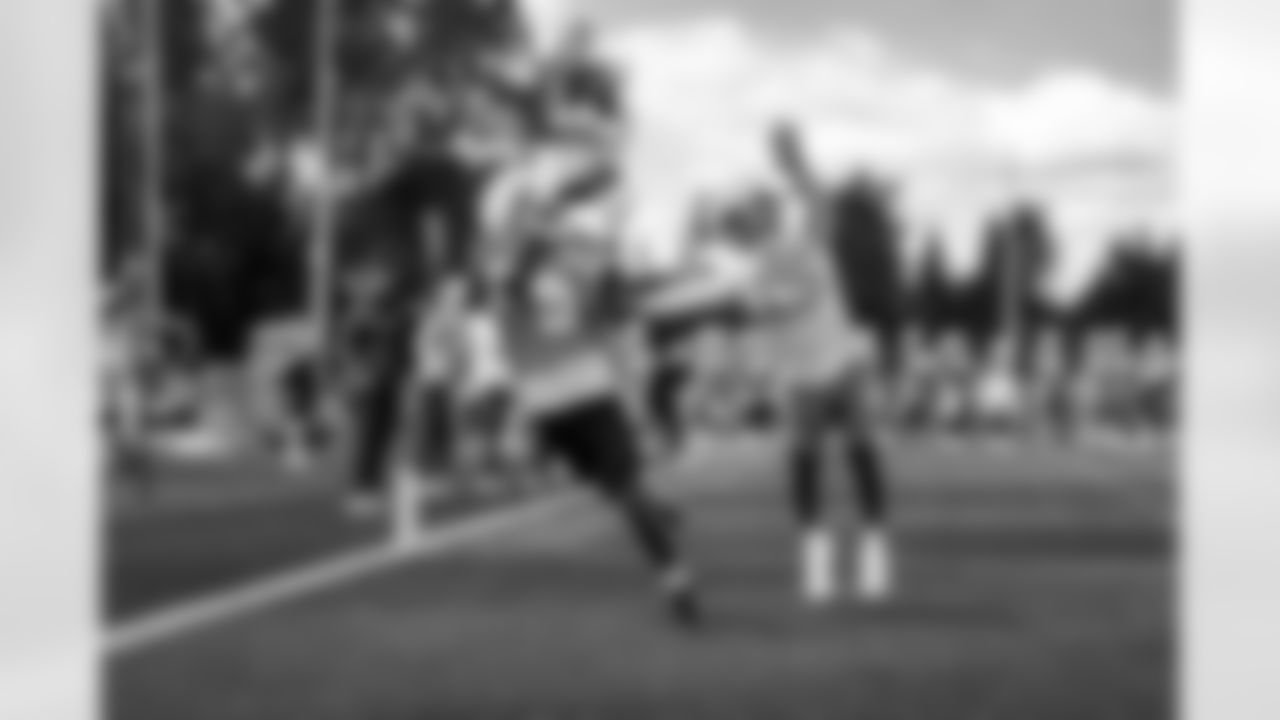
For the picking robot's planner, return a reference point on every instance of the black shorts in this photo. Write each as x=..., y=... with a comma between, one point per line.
x=435, y=428
x=488, y=414
x=667, y=333
x=595, y=440
x=667, y=386
x=840, y=405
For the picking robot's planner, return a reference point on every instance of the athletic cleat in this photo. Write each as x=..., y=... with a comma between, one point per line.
x=680, y=593
x=817, y=567
x=875, y=567
x=685, y=608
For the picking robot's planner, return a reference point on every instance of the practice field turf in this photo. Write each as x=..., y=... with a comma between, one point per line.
x=1036, y=586
x=225, y=525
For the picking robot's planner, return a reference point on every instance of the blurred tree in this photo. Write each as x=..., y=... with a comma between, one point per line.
x=238, y=88
x=932, y=291
x=1165, y=289
x=206, y=136
x=151, y=54
x=404, y=69
x=407, y=75
x=971, y=308
x=1017, y=259
x=1136, y=289
x=868, y=254
x=118, y=134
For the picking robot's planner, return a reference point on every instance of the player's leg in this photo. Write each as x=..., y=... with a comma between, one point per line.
x=666, y=386
x=374, y=443
x=601, y=447
x=667, y=389
x=865, y=457
x=491, y=419
x=817, y=545
x=433, y=436
x=125, y=430
x=141, y=432
x=468, y=459
x=300, y=391
x=514, y=449
x=425, y=433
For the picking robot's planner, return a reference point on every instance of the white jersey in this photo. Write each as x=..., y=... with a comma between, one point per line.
x=122, y=394
x=718, y=274
x=438, y=346
x=551, y=178
x=563, y=343
x=487, y=367
x=816, y=339
x=117, y=356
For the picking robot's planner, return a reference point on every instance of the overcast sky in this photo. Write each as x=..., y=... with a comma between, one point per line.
x=1129, y=40
x=966, y=101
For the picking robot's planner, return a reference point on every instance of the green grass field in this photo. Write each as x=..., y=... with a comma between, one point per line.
x=1036, y=585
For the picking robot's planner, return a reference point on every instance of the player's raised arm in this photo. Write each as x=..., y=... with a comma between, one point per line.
x=796, y=171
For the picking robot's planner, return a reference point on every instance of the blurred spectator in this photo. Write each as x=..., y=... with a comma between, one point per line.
x=957, y=372
x=1160, y=382
x=917, y=382
x=378, y=340
x=1048, y=385
x=1101, y=383
x=998, y=396
x=124, y=408
x=484, y=388
x=286, y=372
x=438, y=363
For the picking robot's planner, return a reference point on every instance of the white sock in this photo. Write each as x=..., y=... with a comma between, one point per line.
x=405, y=498
x=406, y=484
x=677, y=578
x=875, y=565
x=817, y=565
x=297, y=456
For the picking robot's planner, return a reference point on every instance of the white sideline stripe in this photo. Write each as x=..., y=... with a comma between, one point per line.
x=168, y=624
x=187, y=618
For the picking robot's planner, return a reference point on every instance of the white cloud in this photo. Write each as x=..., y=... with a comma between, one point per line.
x=702, y=91
x=548, y=19
x=1076, y=115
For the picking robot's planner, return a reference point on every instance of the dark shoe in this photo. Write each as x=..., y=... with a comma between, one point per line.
x=686, y=609
x=682, y=598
